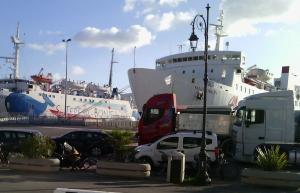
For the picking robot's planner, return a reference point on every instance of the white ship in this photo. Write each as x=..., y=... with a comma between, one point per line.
x=228, y=82
x=43, y=97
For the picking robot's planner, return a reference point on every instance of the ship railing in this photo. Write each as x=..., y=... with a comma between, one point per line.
x=19, y=119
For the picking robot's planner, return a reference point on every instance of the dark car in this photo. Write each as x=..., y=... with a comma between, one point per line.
x=89, y=142
x=12, y=139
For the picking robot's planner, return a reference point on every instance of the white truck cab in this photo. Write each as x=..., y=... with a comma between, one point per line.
x=266, y=118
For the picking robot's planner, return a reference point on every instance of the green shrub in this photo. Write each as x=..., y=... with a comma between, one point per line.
x=121, y=141
x=38, y=147
x=271, y=159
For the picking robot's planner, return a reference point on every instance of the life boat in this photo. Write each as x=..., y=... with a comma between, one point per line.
x=42, y=79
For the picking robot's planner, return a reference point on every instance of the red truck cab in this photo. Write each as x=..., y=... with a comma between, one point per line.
x=158, y=118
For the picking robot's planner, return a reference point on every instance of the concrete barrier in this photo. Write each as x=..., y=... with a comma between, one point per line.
x=270, y=178
x=135, y=170
x=39, y=164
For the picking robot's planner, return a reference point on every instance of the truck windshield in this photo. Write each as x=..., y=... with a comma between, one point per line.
x=152, y=114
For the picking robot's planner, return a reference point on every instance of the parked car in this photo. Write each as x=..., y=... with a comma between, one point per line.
x=187, y=142
x=90, y=142
x=12, y=139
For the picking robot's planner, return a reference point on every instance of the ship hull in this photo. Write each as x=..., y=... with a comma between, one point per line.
x=53, y=104
x=148, y=82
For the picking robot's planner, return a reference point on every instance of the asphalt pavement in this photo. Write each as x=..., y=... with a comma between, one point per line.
x=24, y=182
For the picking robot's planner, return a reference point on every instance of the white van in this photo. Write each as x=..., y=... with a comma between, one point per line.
x=187, y=142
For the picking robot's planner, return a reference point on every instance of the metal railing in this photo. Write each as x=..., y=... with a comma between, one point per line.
x=115, y=123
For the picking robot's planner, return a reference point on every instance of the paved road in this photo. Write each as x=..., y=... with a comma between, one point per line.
x=25, y=182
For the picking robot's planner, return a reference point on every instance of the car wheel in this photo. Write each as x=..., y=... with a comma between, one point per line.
x=146, y=160
x=96, y=151
x=89, y=163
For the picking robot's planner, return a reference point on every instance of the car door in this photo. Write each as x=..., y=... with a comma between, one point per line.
x=191, y=147
x=165, y=146
x=21, y=137
x=254, y=130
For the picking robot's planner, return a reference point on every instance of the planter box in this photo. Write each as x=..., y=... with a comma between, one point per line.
x=39, y=164
x=270, y=178
x=123, y=169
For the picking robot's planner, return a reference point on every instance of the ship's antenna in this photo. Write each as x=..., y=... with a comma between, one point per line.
x=219, y=31
x=180, y=47
x=15, y=60
x=111, y=68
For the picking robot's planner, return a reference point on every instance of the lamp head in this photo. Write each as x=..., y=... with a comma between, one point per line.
x=193, y=41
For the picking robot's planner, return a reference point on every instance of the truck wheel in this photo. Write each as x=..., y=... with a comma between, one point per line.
x=146, y=160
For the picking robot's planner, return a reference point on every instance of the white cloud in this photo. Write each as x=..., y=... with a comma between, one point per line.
x=123, y=41
x=48, y=48
x=167, y=20
x=242, y=17
x=129, y=5
x=172, y=3
x=77, y=71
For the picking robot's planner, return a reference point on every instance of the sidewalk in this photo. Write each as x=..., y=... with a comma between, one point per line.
x=25, y=182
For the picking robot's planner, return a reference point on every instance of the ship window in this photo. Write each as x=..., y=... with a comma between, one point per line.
x=80, y=99
x=53, y=96
x=190, y=58
x=183, y=72
x=85, y=100
x=170, y=61
x=179, y=59
x=40, y=94
x=209, y=57
x=49, y=95
x=214, y=57
x=193, y=80
x=193, y=71
x=201, y=57
x=195, y=58
x=236, y=57
x=241, y=88
x=74, y=99
x=238, y=71
x=184, y=59
x=249, y=91
x=245, y=90
x=174, y=60
x=211, y=70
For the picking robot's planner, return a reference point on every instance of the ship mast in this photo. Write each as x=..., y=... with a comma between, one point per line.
x=15, y=60
x=219, y=33
x=111, y=69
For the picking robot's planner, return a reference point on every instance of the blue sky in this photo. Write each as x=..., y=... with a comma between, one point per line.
x=266, y=31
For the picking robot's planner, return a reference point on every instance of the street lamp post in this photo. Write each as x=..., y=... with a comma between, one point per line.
x=66, y=77
x=202, y=173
